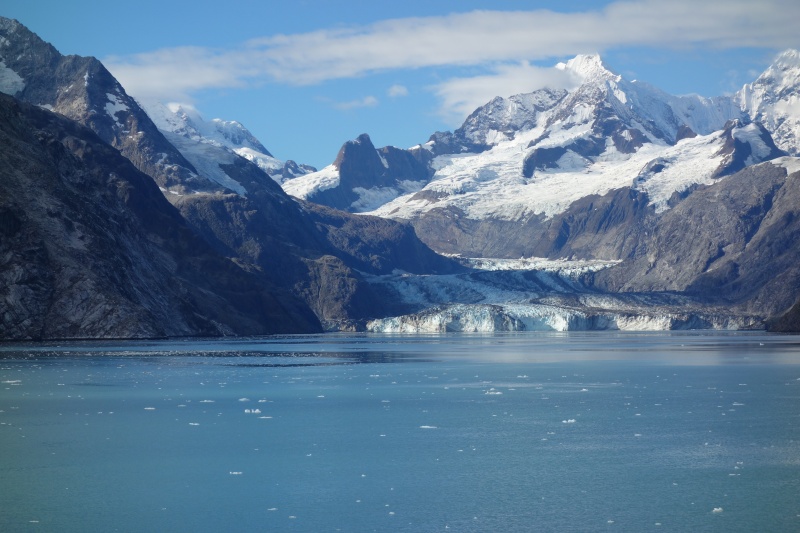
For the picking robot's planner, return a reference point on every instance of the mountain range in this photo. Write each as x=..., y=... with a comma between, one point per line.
x=612, y=205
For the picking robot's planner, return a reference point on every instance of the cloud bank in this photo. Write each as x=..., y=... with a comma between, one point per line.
x=499, y=42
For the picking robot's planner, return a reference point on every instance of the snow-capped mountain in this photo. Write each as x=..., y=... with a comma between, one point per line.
x=611, y=170
x=536, y=154
x=82, y=89
x=186, y=128
x=774, y=100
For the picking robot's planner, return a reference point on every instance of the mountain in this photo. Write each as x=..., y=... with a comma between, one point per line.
x=90, y=247
x=610, y=170
x=774, y=100
x=229, y=203
x=612, y=205
x=186, y=129
x=82, y=89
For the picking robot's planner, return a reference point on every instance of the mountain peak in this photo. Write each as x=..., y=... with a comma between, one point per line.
x=789, y=58
x=588, y=66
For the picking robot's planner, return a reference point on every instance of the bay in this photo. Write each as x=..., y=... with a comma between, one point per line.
x=695, y=431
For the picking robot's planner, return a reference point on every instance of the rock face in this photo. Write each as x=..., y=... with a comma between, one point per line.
x=82, y=89
x=735, y=242
x=90, y=248
x=363, y=177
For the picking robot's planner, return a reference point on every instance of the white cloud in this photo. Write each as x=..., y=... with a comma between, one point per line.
x=397, y=91
x=478, y=38
x=367, y=101
x=461, y=96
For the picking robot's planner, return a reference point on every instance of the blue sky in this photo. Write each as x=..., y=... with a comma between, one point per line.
x=306, y=76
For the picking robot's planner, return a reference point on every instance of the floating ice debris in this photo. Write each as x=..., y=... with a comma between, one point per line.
x=637, y=434
x=253, y=411
x=235, y=473
x=321, y=396
x=492, y=391
x=244, y=399
x=193, y=424
x=717, y=510
x=568, y=421
x=12, y=382
x=584, y=390
x=263, y=401
x=149, y=408
x=264, y=417
x=272, y=509
x=206, y=401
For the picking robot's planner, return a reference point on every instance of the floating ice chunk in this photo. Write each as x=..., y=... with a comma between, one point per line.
x=253, y=411
x=584, y=390
x=235, y=473
x=244, y=399
x=568, y=421
x=193, y=424
x=428, y=427
x=206, y=401
x=264, y=417
x=149, y=408
x=717, y=510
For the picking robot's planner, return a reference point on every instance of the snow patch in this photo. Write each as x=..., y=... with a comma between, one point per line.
x=791, y=164
x=10, y=82
x=751, y=134
x=313, y=183
x=114, y=106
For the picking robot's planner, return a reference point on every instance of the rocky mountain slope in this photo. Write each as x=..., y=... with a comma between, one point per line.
x=211, y=172
x=91, y=248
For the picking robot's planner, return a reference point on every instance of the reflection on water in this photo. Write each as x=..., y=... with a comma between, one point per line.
x=701, y=348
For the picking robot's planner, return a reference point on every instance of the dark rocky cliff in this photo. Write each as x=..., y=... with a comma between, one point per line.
x=89, y=247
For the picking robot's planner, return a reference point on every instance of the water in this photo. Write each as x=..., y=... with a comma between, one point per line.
x=514, y=432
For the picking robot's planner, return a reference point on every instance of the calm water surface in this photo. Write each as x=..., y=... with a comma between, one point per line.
x=512, y=432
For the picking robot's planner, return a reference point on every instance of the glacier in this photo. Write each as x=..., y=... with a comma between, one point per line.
x=536, y=294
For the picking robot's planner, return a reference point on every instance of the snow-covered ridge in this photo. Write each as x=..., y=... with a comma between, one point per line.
x=774, y=100
x=312, y=183
x=535, y=154
x=491, y=184
x=200, y=139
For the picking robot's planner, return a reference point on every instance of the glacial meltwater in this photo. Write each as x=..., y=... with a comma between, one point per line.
x=505, y=432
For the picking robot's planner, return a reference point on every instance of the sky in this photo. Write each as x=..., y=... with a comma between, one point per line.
x=306, y=76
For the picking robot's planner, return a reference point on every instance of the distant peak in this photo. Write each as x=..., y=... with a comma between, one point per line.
x=788, y=58
x=587, y=66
